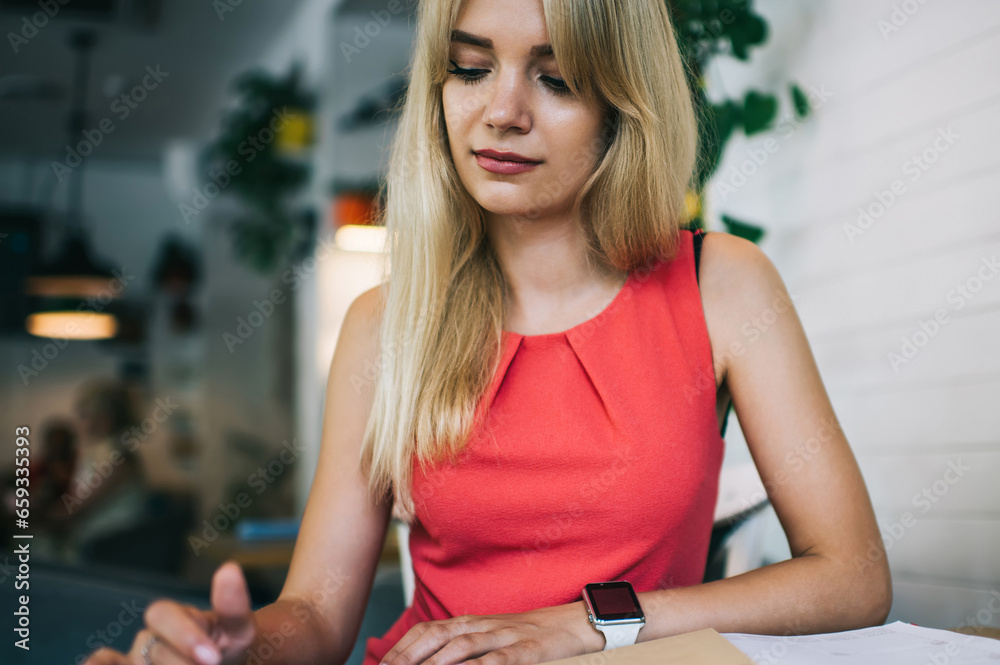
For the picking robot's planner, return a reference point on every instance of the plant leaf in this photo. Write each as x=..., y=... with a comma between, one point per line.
x=759, y=111
x=751, y=232
x=800, y=101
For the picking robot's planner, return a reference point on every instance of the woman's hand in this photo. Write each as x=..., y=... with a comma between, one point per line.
x=532, y=637
x=189, y=635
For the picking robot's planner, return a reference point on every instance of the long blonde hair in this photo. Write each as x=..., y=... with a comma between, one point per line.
x=441, y=327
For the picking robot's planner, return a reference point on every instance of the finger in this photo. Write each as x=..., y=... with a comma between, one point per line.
x=405, y=641
x=432, y=639
x=178, y=628
x=468, y=646
x=107, y=656
x=158, y=651
x=205, y=619
x=231, y=602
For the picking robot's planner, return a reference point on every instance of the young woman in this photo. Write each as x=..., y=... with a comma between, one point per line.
x=552, y=368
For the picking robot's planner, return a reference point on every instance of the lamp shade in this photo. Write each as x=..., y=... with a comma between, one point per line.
x=61, y=289
x=64, y=288
x=73, y=273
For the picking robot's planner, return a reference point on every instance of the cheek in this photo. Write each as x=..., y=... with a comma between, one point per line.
x=452, y=124
x=577, y=143
x=457, y=104
x=591, y=142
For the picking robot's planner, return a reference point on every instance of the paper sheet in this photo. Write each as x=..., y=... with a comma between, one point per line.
x=897, y=643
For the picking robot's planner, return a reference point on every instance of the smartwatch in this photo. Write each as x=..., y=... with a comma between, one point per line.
x=613, y=609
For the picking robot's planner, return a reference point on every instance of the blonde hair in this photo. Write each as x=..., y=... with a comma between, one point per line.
x=442, y=323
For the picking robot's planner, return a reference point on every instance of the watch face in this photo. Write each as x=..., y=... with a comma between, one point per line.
x=613, y=601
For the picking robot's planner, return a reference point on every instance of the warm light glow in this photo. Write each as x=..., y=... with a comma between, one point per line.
x=295, y=133
x=355, y=238
x=69, y=286
x=72, y=325
x=692, y=205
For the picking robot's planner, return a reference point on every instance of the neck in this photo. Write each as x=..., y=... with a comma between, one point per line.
x=546, y=265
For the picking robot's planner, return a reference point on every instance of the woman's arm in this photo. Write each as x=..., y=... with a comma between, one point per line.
x=838, y=577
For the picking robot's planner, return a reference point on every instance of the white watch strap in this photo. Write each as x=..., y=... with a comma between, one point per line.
x=621, y=635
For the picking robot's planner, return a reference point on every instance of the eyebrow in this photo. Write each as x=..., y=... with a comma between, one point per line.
x=538, y=51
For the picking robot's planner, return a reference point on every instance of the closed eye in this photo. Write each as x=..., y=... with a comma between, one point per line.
x=467, y=75
x=557, y=85
x=473, y=76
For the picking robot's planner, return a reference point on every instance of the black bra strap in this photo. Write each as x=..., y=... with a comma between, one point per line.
x=698, y=237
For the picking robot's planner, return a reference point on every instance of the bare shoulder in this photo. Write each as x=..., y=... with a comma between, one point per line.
x=369, y=304
x=362, y=319
x=726, y=258
x=741, y=292
x=358, y=347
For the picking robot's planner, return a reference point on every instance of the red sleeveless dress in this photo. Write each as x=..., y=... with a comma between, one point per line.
x=598, y=460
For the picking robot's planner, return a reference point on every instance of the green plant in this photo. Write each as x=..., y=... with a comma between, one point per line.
x=704, y=30
x=267, y=178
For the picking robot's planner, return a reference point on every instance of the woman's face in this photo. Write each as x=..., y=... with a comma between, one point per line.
x=505, y=93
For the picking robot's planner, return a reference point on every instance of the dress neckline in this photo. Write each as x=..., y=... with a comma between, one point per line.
x=546, y=338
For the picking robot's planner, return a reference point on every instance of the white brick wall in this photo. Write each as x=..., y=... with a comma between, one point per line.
x=894, y=95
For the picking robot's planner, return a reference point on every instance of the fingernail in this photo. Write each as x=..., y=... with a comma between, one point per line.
x=206, y=654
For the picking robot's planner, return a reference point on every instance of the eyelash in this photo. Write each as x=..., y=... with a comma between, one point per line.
x=473, y=76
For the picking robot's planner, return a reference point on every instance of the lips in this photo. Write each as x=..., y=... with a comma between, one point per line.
x=507, y=156
x=504, y=163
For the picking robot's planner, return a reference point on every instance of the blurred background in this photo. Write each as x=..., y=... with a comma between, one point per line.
x=186, y=197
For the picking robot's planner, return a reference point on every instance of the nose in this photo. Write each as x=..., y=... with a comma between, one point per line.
x=507, y=103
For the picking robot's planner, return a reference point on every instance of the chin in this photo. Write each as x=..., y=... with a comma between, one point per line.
x=506, y=203
x=510, y=209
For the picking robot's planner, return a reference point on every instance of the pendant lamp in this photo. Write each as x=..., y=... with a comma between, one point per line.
x=70, y=291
